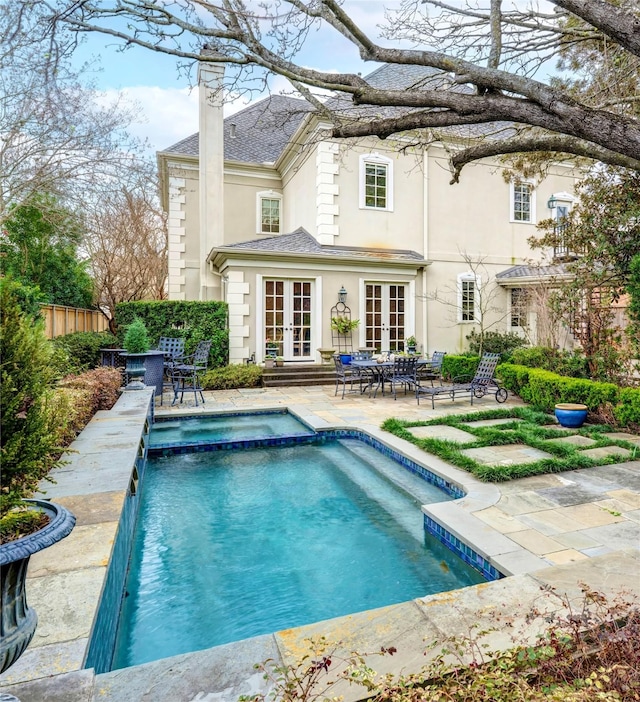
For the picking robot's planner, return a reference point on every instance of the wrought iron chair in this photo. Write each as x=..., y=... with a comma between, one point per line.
x=478, y=386
x=403, y=373
x=185, y=372
x=345, y=375
x=432, y=370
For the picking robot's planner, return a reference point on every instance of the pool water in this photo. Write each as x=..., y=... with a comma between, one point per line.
x=231, y=545
x=232, y=427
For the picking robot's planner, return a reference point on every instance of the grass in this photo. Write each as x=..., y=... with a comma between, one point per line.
x=533, y=429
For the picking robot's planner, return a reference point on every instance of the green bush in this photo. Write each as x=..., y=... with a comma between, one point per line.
x=459, y=366
x=28, y=436
x=191, y=321
x=561, y=362
x=83, y=349
x=231, y=377
x=628, y=409
x=136, y=339
x=503, y=343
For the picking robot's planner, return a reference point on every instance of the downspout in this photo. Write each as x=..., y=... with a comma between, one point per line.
x=425, y=246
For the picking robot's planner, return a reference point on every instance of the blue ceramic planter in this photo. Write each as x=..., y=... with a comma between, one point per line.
x=345, y=358
x=570, y=415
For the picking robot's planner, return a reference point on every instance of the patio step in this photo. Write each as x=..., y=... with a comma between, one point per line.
x=298, y=374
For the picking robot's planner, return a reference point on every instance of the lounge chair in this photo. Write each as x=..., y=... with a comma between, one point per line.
x=482, y=383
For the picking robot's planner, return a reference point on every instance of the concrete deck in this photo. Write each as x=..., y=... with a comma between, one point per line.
x=550, y=530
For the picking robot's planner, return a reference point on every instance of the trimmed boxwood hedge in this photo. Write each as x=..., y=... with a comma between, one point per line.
x=543, y=389
x=191, y=320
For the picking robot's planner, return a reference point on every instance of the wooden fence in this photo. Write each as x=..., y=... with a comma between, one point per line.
x=61, y=320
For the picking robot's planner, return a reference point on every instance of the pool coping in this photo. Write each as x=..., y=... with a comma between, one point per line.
x=126, y=421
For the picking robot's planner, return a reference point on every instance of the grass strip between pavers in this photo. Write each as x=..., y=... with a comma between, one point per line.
x=533, y=431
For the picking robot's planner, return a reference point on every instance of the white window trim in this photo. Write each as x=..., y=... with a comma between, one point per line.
x=379, y=160
x=269, y=195
x=512, y=200
x=476, y=279
x=562, y=198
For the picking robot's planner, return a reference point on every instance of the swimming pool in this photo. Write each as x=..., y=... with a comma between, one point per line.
x=277, y=536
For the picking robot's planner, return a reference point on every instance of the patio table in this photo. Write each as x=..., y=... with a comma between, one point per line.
x=379, y=372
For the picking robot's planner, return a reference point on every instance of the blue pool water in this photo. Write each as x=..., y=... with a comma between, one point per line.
x=231, y=427
x=237, y=544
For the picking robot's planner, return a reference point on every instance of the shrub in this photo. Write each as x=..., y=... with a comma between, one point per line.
x=83, y=349
x=78, y=398
x=28, y=436
x=231, y=377
x=561, y=362
x=628, y=410
x=136, y=339
x=189, y=320
x=503, y=343
x=459, y=366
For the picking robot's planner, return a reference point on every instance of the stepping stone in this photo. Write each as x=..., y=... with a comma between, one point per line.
x=624, y=436
x=604, y=451
x=574, y=440
x=506, y=455
x=442, y=431
x=494, y=422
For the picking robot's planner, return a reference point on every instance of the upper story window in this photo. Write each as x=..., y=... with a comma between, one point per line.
x=523, y=203
x=376, y=182
x=468, y=299
x=269, y=212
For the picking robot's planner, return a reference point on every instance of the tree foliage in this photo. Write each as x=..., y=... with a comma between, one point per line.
x=487, y=62
x=39, y=248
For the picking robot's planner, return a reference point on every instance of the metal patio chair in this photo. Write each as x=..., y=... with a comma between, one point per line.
x=432, y=370
x=345, y=375
x=402, y=373
x=185, y=372
x=480, y=385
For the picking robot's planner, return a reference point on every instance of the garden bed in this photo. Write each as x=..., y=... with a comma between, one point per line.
x=530, y=429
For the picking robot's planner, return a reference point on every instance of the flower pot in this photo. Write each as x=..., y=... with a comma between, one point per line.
x=269, y=362
x=18, y=622
x=411, y=349
x=571, y=415
x=326, y=355
x=346, y=359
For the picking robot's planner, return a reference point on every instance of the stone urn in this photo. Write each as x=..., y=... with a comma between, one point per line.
x=18, y=621
x=326, y=355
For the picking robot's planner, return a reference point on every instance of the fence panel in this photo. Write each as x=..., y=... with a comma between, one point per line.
x=60, y=320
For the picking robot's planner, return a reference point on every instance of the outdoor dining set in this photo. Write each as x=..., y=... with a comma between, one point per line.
x=366, y=372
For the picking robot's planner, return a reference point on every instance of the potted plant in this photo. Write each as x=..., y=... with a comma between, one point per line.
x=29, y=449
x=279, y=361
x=411, y=343
x=571, y=415
x=344, y=325
x=272, y=348
x=136, y=343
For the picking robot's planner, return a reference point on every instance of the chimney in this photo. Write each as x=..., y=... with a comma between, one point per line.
x=211, y=171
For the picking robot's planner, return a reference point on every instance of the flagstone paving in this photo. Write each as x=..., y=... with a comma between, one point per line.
x=506, y=455
x=553, y=531
x=442, y=431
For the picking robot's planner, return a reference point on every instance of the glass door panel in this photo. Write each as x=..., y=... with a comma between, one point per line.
x=385, y=309
x=288, y=318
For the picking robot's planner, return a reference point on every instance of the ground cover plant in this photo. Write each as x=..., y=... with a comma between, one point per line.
x=529, y=427
x=587, y=650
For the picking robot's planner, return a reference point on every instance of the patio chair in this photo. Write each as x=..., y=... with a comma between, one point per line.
x=432, y=370
x=185, y=372
x=402, y=373
x=481, y=384
x=345, y=375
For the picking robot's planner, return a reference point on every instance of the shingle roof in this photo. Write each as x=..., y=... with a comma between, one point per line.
x=257, y=134
x=301, y=242
x=533, y=272
x=262, y=130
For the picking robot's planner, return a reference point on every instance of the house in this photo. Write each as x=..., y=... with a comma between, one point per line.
x=291, y=228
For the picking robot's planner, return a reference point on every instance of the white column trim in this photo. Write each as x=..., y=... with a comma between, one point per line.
x=259, y=320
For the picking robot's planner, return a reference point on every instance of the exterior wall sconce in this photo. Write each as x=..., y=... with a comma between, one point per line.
x=552, y=202
x=342, y=295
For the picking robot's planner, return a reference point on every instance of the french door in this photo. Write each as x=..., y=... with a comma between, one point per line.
x=288, y=318
x=385, y=310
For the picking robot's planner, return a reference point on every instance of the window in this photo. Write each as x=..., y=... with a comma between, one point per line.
x=376, y=182
x=268, y=215
x=522, y=203
x=518, y=307
x=468, y=298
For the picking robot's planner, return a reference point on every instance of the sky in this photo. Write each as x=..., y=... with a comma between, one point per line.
x=166, y=102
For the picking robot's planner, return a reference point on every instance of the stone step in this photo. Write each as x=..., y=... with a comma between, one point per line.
x=298, y=374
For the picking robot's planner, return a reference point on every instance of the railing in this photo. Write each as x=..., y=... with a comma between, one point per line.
x=61, y=320
x=562, y=250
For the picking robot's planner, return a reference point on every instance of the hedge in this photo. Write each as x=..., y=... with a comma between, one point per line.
x=190, y=320
x=231, y=377
x=543, y=389
x=458, y=366
x=83, y=349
